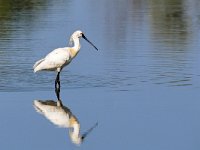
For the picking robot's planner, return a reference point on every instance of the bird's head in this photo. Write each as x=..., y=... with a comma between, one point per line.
x=78, y=34
x=74, y=133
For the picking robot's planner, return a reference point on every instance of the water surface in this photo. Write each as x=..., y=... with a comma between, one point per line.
x=142, y=86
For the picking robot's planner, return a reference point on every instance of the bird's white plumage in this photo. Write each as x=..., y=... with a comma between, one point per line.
x=54, y=61
x=60, y=57
x=56, y=114
x=60, y=116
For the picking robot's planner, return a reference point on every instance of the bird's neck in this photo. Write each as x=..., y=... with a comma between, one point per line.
x=77, y=44
x=76, y=129
x=75, y=49
x=75, y=134
x=73, y=123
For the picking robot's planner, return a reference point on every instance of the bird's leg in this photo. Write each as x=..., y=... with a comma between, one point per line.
x=58, y=81
x=57, y=85
x=57, y=94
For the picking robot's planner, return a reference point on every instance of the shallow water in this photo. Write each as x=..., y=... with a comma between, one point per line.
x=142, y=86
x=140, y=44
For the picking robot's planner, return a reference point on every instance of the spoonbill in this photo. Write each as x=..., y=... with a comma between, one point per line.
x=60, y=57
x=62, y=116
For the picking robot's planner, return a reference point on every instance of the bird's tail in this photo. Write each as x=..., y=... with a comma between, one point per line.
x=36, y=65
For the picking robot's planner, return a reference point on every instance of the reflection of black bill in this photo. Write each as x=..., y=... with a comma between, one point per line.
x=89, y=41
x=89, y=130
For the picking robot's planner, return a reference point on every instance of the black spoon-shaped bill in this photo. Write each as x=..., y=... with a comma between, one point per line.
x=89, y=41
x=89, y=130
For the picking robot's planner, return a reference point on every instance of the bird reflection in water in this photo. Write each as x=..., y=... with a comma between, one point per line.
x=62, y=116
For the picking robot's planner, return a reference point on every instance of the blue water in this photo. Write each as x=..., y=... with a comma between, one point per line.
x=142, y=86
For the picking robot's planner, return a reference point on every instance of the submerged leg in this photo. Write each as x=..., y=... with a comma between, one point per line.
x=57, y=94
x=57, y=81
x=57, y=86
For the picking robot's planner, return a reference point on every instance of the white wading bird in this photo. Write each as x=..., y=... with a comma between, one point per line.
x=62, y=116
x=60, y=57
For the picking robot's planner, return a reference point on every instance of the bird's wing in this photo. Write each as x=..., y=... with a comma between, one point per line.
x=58, y=53
x=58, y=57
x=55, y=60
x=37, y=63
